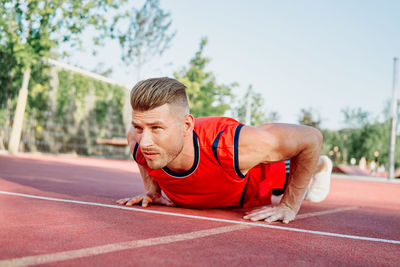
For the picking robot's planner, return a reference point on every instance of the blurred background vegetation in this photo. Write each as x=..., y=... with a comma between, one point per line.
x=67, y=112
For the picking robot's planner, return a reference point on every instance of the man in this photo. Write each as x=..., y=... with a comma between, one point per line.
x=216, y=162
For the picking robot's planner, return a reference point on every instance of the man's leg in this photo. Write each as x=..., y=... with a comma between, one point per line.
x=322, y=164
x=320, y=183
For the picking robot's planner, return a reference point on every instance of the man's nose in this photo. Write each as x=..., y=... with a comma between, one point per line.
x=146, y=139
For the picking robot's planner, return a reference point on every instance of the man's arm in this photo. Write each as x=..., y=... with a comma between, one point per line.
x=277, y=142
x=152, y=191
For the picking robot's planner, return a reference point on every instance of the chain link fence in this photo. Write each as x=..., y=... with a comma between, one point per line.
x=78, y=111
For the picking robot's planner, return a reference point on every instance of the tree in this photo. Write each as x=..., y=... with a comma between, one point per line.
x=146, y=34
x=258, y=114
x=8, y=74
x=142, y=34
x=364, y=136
x=309, y=117
x=29, y=30
x=206, y=96
x=356, y=117
x=370, y=138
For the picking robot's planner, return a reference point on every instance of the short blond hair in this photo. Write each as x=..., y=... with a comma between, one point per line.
x=152, y=93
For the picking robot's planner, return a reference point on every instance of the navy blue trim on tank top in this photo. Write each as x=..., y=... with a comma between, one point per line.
x=280, y=191
x=195, y=163
x=135, y=151
x=243, y=193
x=215, y=146
x=236, y=151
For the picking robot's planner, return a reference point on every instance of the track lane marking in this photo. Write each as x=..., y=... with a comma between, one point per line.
x=324, y=212
x=363, y=238
x=114, y=247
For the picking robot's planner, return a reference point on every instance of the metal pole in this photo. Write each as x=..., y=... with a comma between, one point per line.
x=392, y=146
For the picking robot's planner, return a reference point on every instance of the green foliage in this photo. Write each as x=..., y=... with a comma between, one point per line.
x=206, y=96
x=30, y=29
x=368, y=137
x=38, y=98
x=143, y=33
x=78, y=92
x=355, y=118
x=10, y=75
x=68, y=118
x=309, y=117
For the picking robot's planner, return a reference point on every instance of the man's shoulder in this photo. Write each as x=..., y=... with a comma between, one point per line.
x=210, y=122
x=210, y=128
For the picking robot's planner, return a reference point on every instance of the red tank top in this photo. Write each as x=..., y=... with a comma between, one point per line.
x=215, y=180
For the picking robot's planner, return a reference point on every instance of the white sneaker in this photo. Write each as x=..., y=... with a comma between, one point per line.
x=320, y=183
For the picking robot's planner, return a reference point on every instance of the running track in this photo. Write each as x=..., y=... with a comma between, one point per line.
x=60, y=211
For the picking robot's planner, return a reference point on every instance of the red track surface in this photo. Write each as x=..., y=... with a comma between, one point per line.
x=64, y=233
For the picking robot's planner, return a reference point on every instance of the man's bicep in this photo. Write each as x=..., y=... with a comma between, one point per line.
x=286, y=140
x=265, y=144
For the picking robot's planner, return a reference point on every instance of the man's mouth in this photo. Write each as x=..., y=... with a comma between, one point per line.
x=149, y=155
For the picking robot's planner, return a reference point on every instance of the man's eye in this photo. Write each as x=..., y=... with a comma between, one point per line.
x=156, y=128
x=137, y=128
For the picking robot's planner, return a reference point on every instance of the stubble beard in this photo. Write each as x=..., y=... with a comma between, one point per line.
x=164, y=158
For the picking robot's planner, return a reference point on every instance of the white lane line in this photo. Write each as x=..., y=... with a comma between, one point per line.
x=364, y=238
x=365, y=178
x=98, y=250
x=324, y=212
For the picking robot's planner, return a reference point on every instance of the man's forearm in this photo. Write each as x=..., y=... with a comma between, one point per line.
x=302, y=166
x=148, y=182
x=297, y=186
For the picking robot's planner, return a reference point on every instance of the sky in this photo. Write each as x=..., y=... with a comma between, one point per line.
x=324, y=55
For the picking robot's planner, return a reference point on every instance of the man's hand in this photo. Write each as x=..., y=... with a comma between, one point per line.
x=146, y=198
x=271, y=214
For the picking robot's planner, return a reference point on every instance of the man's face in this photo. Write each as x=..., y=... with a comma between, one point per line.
x=159, y=133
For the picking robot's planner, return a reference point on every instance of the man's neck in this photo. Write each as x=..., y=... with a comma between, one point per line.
x=185, y=160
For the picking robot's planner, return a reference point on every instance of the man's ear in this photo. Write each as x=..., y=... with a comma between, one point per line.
x=188, y=124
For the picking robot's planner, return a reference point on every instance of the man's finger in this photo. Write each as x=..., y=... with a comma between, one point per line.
x=265, y=212
x=146, y=200
x=258, y=217
x=260, y=210
x=134, y=201
x=122, y=201
x=260, y=214
x=252, y=215
x=273, y=218
x=170, y=203
x=164, y=201
x=288, y=218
